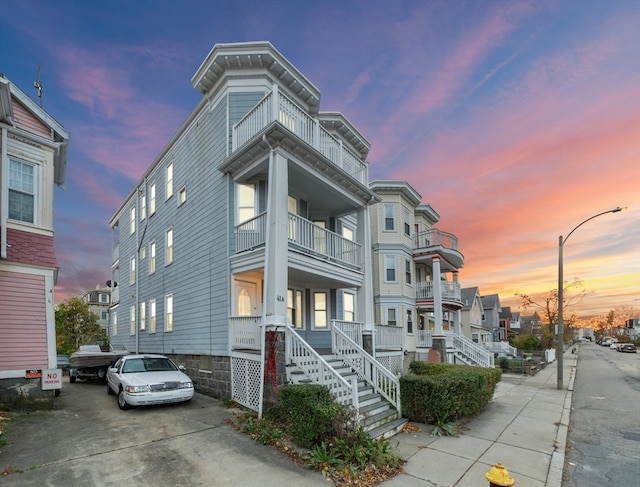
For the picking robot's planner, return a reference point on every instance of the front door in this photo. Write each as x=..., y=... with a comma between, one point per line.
x=246, y=298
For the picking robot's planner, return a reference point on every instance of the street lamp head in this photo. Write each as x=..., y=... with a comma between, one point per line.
x=617, y=209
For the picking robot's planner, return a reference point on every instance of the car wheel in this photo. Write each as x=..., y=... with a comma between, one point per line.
x=72, y=379
x=102, y=374
x=122, y=404
x=109, y=391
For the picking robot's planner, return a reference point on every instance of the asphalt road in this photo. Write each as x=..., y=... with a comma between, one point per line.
x=87, y=441
x=603, y=447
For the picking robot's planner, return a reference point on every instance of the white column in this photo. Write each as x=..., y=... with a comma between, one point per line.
x=457, y=328
x=365, y=292
x=437, y=297
x=276, y=265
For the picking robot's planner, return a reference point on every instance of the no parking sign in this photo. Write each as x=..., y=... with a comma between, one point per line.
x=51, y=379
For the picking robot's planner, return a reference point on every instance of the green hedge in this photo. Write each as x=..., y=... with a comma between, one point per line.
x=311, y=412
x=440, y=393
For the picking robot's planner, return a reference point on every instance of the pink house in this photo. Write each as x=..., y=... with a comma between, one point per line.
x=33, y=148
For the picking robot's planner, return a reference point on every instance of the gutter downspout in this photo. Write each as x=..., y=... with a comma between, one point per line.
x=4, y=196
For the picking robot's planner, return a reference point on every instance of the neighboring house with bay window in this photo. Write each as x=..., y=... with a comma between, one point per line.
x=33, y=159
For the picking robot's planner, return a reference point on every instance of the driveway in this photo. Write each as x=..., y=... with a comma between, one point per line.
x=87, y=441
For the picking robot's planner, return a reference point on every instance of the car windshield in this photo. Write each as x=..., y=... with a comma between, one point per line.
x=147, y=365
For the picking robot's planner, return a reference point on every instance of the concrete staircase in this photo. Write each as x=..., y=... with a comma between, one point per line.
x=378, y=418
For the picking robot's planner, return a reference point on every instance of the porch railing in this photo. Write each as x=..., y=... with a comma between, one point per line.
x=434, y=237
x=367, y=367
x=472, y=350
x=388, y=337
x=244, y=332
x=316, y=369
x=352, y=329
x=315, y=239
x=251, y=233
x=450, y=290
x=276, y=106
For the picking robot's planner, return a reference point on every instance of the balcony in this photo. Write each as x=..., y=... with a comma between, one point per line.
x=435, y=242
x=277, y=107
x=304, y=236
x=450, y=291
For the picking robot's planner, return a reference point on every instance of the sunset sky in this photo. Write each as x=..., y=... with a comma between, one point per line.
x=514, y=120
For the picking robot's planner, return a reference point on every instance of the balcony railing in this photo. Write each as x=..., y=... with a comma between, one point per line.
x=276, y=106
x=434, y=237
x=314, y=239
x=388, y=337
x=449, y=290
x=304, y=235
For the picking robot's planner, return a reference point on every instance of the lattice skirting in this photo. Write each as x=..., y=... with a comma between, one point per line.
x=246, y=379
x=393, y=362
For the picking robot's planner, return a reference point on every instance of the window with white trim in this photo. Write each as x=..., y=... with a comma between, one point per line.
x=133, y=220
x=320, y=309
x=246, y=201
x=132, y=313
x=410, y=321
x=391, y=317
x=132, y=271
x=349, y=307
x=407, y=221
x=143, y=316
x=152, y=257
x=152, y=199
x=407, y=271
x=169, y=247
x=168, y=312
x=294, y=307
x=152, y=316
x=389, y=218
x=114, y=322
x=143, y=207
x=104, y=315
x=347, y=233
x=182, y=195
x=169, y=180
x=22, y=191
x=389, y=268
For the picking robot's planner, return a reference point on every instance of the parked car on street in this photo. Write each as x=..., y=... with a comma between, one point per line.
x=627, y=347
x=63, y=362
x=147, y=379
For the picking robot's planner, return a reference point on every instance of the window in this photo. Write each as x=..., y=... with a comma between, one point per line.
x=407, y=271
x=143, y=207
x=21, y=191
x=104, y=315
x=320, y=309
x=391, y=317
x=115, y=322
x=347, y=233
x=169, y=249
x=169, y=180
x=143, y=252
x=152, y=199
x=132, y=272
x=389, y=217
x=409, y=321
x=294, y=307
x=133, y=219
x=143, y=316
x=349, y=311
x=407, y=221
x=132, y=313
x=390, y=268
x=168, y=306
x=104, y=298
x=182, y=195
x=152, y=316
x=246, y=202
x=152, y=257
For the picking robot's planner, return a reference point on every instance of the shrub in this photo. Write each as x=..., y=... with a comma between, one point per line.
x=440, y=393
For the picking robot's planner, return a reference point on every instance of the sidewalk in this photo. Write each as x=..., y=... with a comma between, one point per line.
x=524, y=428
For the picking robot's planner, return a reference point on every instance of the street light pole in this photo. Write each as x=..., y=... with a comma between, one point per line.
x=560, y=330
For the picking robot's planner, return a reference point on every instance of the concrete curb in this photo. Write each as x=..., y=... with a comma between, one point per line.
x=556, y=469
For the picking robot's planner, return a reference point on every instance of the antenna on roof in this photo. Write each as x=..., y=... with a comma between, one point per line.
x=37, y=84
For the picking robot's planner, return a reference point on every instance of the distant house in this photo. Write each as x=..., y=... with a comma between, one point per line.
x=506, y=320
x=491, y=318
x=516, y=324
x=99, y=301
x=471, y=316
x=531, y=324
x=33, y=160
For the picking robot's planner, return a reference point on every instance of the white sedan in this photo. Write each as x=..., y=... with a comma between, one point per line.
x=146, y=379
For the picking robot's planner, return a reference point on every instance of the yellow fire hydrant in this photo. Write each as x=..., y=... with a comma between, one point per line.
x=499, y=477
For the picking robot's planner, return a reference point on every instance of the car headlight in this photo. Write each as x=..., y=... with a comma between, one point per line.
x=186, y=385
x=134, y=389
